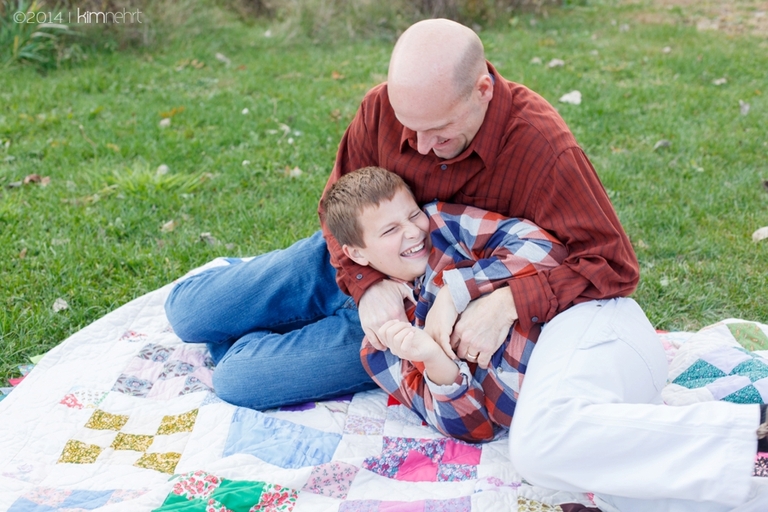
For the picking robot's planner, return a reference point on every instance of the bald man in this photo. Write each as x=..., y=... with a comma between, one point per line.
x=589, y=417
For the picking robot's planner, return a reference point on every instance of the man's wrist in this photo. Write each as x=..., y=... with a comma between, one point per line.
x=506, y=302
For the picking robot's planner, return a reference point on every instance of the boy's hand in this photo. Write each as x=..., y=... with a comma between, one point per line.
x=440, y=321
x=408, y=342
x=381, y=302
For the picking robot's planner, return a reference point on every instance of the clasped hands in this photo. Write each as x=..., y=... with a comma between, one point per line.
x=474, y=335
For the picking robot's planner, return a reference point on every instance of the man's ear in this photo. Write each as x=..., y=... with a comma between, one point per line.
x=484, y=86
x=355, y=254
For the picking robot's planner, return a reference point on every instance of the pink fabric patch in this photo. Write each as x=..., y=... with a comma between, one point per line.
x=205, y=375
x=333, y=479
x=456, y=453
x=167, y=389
x=417, y=467
x=189, y=355
x=402, y=506
x=144, y=369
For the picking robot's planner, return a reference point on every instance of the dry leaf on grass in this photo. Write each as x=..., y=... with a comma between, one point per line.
x=760, y=234
x=208, y=238
x=169, y=226
x=59, y=305
x=573, y=98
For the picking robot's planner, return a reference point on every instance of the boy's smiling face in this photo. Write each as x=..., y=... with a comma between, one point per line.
x=396, y=237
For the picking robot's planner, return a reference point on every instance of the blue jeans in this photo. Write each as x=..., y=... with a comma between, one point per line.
x=278, y=328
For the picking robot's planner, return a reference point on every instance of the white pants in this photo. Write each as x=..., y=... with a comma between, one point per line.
x=590, y=419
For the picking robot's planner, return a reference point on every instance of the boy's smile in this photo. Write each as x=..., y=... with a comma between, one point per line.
x=396, y=237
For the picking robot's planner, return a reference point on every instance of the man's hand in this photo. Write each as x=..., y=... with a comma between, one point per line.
x=440, y=320
x=381, y=302
x=408, y=342
x=484, y=326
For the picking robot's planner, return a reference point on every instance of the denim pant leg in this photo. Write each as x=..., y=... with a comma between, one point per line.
x=264, y=317
x=278, y=291
x=320, y=361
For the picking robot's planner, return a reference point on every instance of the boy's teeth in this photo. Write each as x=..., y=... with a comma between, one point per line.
x=414, y=249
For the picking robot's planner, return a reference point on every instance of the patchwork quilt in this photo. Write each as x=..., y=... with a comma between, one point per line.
x=122, y=417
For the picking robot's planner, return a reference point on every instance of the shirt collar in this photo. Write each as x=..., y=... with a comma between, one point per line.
x=488, y=138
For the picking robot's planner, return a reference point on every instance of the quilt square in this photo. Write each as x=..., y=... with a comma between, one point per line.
x=135, y=442
x=279, y=442
x=178, y=423
x=87, y=500
x=332, y=480
x=102, y=420
x=362, y=425
x=425, y=460
x=155, y=352
x=77, y=452
x=162, y=462
x=132, y=386
x=81, y=398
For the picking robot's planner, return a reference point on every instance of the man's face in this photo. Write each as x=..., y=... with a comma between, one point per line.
x=443, y=123
x=396, y=237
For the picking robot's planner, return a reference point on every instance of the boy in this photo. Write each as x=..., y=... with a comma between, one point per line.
x=447, y=255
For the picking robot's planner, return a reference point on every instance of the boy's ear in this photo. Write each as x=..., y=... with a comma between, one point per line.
x=355, y=254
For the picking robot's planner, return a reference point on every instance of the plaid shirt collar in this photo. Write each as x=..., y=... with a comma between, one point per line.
x=489, y=137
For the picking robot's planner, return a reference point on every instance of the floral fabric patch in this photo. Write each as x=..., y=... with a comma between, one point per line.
x=362, y=425
x=333, y=479
x=179, y=423
x=425, y=460
x=102, y=420
x=135, y=442
x=78, y=452
x=163, y=462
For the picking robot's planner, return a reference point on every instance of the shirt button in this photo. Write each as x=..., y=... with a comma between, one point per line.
x=359, y=276
x=500, y=370
x=443, y=167
x=533, y=319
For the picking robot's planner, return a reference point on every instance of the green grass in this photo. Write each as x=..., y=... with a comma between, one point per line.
x=94, y=235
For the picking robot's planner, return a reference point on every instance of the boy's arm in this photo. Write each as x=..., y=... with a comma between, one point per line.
x=456, y=410
x=491, y=249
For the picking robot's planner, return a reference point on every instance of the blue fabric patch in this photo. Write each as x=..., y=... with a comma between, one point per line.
x=88, y=500
x=699, y=374
x=24, y=505
x=279, y=442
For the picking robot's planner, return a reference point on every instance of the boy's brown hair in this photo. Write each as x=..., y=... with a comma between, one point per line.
x=353, y=193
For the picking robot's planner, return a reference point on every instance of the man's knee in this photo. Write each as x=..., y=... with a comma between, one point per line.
x=177, y=310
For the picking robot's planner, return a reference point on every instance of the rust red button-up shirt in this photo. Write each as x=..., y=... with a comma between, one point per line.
x=523, y=162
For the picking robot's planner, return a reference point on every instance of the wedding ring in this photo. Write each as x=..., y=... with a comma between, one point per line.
x=472, y=357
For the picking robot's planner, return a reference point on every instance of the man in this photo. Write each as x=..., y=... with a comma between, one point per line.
x=456, y=131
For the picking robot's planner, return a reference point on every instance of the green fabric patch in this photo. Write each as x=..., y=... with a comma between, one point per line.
x=698, y=375
x=746, y=395
x=752, y=368
x=237, y=495
x=749, y=335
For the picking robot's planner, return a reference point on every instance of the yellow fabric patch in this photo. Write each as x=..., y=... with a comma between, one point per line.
x=101, y=420
x=133, y=442
x=163, y=462
x=526, y=505
x=179, y=423
x=77, y=452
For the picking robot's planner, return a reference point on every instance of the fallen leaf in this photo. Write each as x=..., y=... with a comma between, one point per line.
x=743, y=107
x=241, y=67
x=666, y=49
x=174, y=111
x=229, y=246
x=245, y=111
x=162, y=169
x=23, y=253
x=169, y=226
x=268, y=33
x=573, y=97
x=246, y=162
x=336, y=114
x=624, y=28
x=536, y=60
x=336, y=75
x=760, y=234
x=223, y=58
x=555, y=63
x=720, y=81
x=293, y=173
x=641, y=244
x=663, y=143
x=114, y=147
x=165, y=122
x=32, y=178
x=664, y=281
x=208, y=238
x=59, y=305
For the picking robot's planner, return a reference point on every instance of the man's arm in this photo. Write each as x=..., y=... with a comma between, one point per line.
x=571, y=204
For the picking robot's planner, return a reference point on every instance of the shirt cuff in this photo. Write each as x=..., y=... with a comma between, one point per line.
x=534, y=300
x=458, y=288
x=458, y=387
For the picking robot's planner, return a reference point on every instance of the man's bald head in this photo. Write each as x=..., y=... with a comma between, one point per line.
x=437, y=54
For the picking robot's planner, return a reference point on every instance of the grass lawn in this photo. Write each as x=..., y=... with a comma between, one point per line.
x=250, y=145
